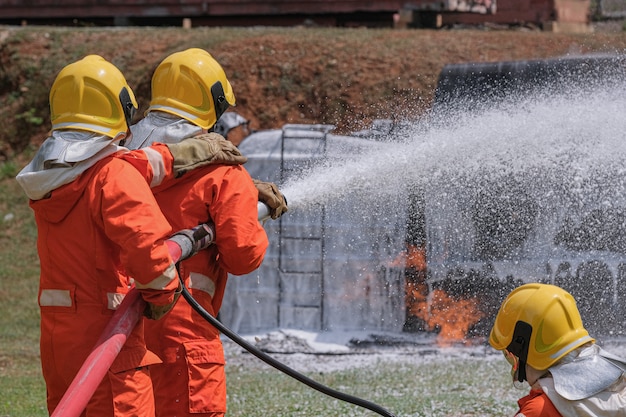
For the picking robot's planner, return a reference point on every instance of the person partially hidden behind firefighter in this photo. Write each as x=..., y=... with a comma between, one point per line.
x=540, y=332
x=99, y=226
x=190, y=92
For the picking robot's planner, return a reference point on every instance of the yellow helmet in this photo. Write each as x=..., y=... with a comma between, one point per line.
x=539, y=324
x=191, y=84
x=92, y=94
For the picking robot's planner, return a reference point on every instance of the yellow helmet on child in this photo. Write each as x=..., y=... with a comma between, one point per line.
x=92, y=95
x=539, y=324
x=191, y=84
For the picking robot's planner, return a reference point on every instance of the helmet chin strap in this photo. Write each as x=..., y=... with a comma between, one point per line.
x=519, y=347
x=129, y=112
x=219, y=99
x=127, y=105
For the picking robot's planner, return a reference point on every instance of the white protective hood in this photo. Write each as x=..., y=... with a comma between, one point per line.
x=160, y=127
x=61, y=158
x=588, y=382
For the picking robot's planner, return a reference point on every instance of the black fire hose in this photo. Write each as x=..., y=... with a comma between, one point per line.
x=204, y=235
x=279, y=365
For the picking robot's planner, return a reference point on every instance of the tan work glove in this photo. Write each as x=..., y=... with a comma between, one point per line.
x=201, y=150
x=270, y=196
x=155, y=312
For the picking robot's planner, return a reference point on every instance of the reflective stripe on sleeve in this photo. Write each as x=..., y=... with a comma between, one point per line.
x=55, y=298
x=201, y=282
x=155, y=159
x=114, y=300
x=161, y=282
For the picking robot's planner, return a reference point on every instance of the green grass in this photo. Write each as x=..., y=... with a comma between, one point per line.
x=433, y=388
x=429, y=387
x=21, y=383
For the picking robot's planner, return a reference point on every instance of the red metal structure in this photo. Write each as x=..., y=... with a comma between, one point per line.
x=226, y=12
x=201, y=12
x=553, y=15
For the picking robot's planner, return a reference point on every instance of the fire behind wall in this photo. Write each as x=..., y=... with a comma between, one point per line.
x=559, y=221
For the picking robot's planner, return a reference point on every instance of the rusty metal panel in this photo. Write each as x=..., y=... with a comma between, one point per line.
x=572, y=11
x=285, y=12
x=40, y=8
x=279, y=7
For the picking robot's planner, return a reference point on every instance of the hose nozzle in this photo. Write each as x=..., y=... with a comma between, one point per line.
x=264, y=210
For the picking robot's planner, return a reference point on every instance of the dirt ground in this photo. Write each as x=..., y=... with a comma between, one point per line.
x=345, y=77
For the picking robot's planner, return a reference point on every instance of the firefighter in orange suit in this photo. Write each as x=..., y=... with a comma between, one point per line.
x=99, y=226
x=540, y=332
x=189, y=93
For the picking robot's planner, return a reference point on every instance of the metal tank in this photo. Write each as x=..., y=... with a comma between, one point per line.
x=329, y=266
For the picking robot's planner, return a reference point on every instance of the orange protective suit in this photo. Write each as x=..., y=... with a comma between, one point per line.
x=536, y=404
x=90, y=231
x=191, y=380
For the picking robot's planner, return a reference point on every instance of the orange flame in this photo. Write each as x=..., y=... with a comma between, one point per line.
x=412, y=257
x=452, y=317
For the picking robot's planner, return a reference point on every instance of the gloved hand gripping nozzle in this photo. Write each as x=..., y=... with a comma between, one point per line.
x=202, y=236
x=193, y=240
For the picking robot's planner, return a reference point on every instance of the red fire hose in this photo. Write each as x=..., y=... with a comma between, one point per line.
x=102, y=356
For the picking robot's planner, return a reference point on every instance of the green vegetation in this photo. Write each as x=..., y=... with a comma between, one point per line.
x=21, y=384
x=8, y=169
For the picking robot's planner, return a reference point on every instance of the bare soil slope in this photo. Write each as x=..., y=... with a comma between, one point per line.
x=345, y=77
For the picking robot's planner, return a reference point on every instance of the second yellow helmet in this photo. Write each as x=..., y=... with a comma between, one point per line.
x=192, y=84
